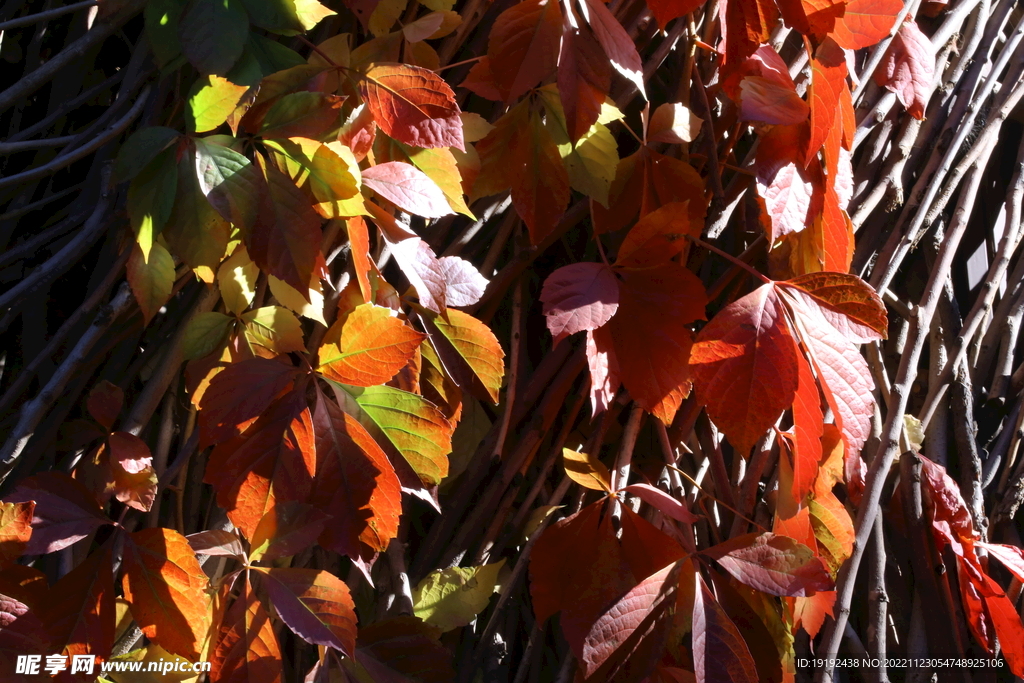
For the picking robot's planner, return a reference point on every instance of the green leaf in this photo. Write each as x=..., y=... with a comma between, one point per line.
x=195, y=231
x=213, y=33
x=140, y=148
x=404, y=423
x=162, y=17
x=591, y=162
x=229, y=181
x=205, y=332
x=272, y=55
x=450, y=598
x=151, y=198
x=152, y=279
x=303, y=114
x=210, y=101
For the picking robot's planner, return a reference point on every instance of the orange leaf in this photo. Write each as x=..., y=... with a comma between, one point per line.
x=270, y=463
x=132, y=478
x=828, y=77
x=285, y=530
x=167, y=590
x=15, y=530
x=807, y=430
x=247, y=650
x=865, y=22
x=374, y=345
x=658, y=237
x=359, y=240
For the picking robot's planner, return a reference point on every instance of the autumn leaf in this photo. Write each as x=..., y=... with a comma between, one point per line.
x=78, y=610
x=373, y=346
x=167, y=590
x=470, y=352
x=584, y=77
x=828, y=78
x=661, y=501
x=413, y=105
x=907, y=68
x=216, y=542
x=15, y=530
x=133, y=480
x=239, y=395
x=578, y=297
x=152, y=279
x=104, y=403
x=247, y=648
x=586, y=470
x=604, y=368
x=652, y=337
x=314, y=604
x=658, y=237
x=865, y=22
x=776, y=565
x=270, y=463
x=403, y=424
x=673, y=123
x=719, y=652
x=791, y=193
x=65, y=511
x=405, y=645
x=523, y=46
x=355, y=484
x=618, y=46
x=408, y=188
x=286, y=530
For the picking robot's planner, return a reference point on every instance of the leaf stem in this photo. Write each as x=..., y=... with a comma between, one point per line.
x=729, y=257
x=455, y=64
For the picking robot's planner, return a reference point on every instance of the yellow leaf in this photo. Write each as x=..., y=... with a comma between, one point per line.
x=384, y=16
x=586, y=470
x=237, y=281
x=275, y=328
x=291, y=298
x=440, y=166
x=211, y=104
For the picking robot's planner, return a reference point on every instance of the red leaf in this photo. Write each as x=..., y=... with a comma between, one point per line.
x=636, y=616
x=848, y=303
x=719, y=653
x=104, y=403
x=270, y=463
x=413, y=105
x=1006, y=620
x=23, y=593
x=1010, y=556
x=746, y=24
x=355, y=484
x=604, y=368
x=15, y=530
x=239, y=395
x=616, y=43
x=776, y=565
x=908, y=68
x=581, y=296
x=791, y=194
x=762, y=99
x=133, y=480
x=404, y=649
x=523, y=46
x=744, y=366
x=865, y=22
x=79, y=609
x=65, y=511
x=167, y=590
x=810, y=613
x=584, y=77
x=285, y=241
x=663, y=502
x=315, y=605
x=667, y=10
x=216, y=542
x=652, y=336
x=842, y=371
x=812, y=17
x=247, y=650
x=480, y=80
x=807, y=430
x=408, y=188
x=580, y=568
x=540, y=183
